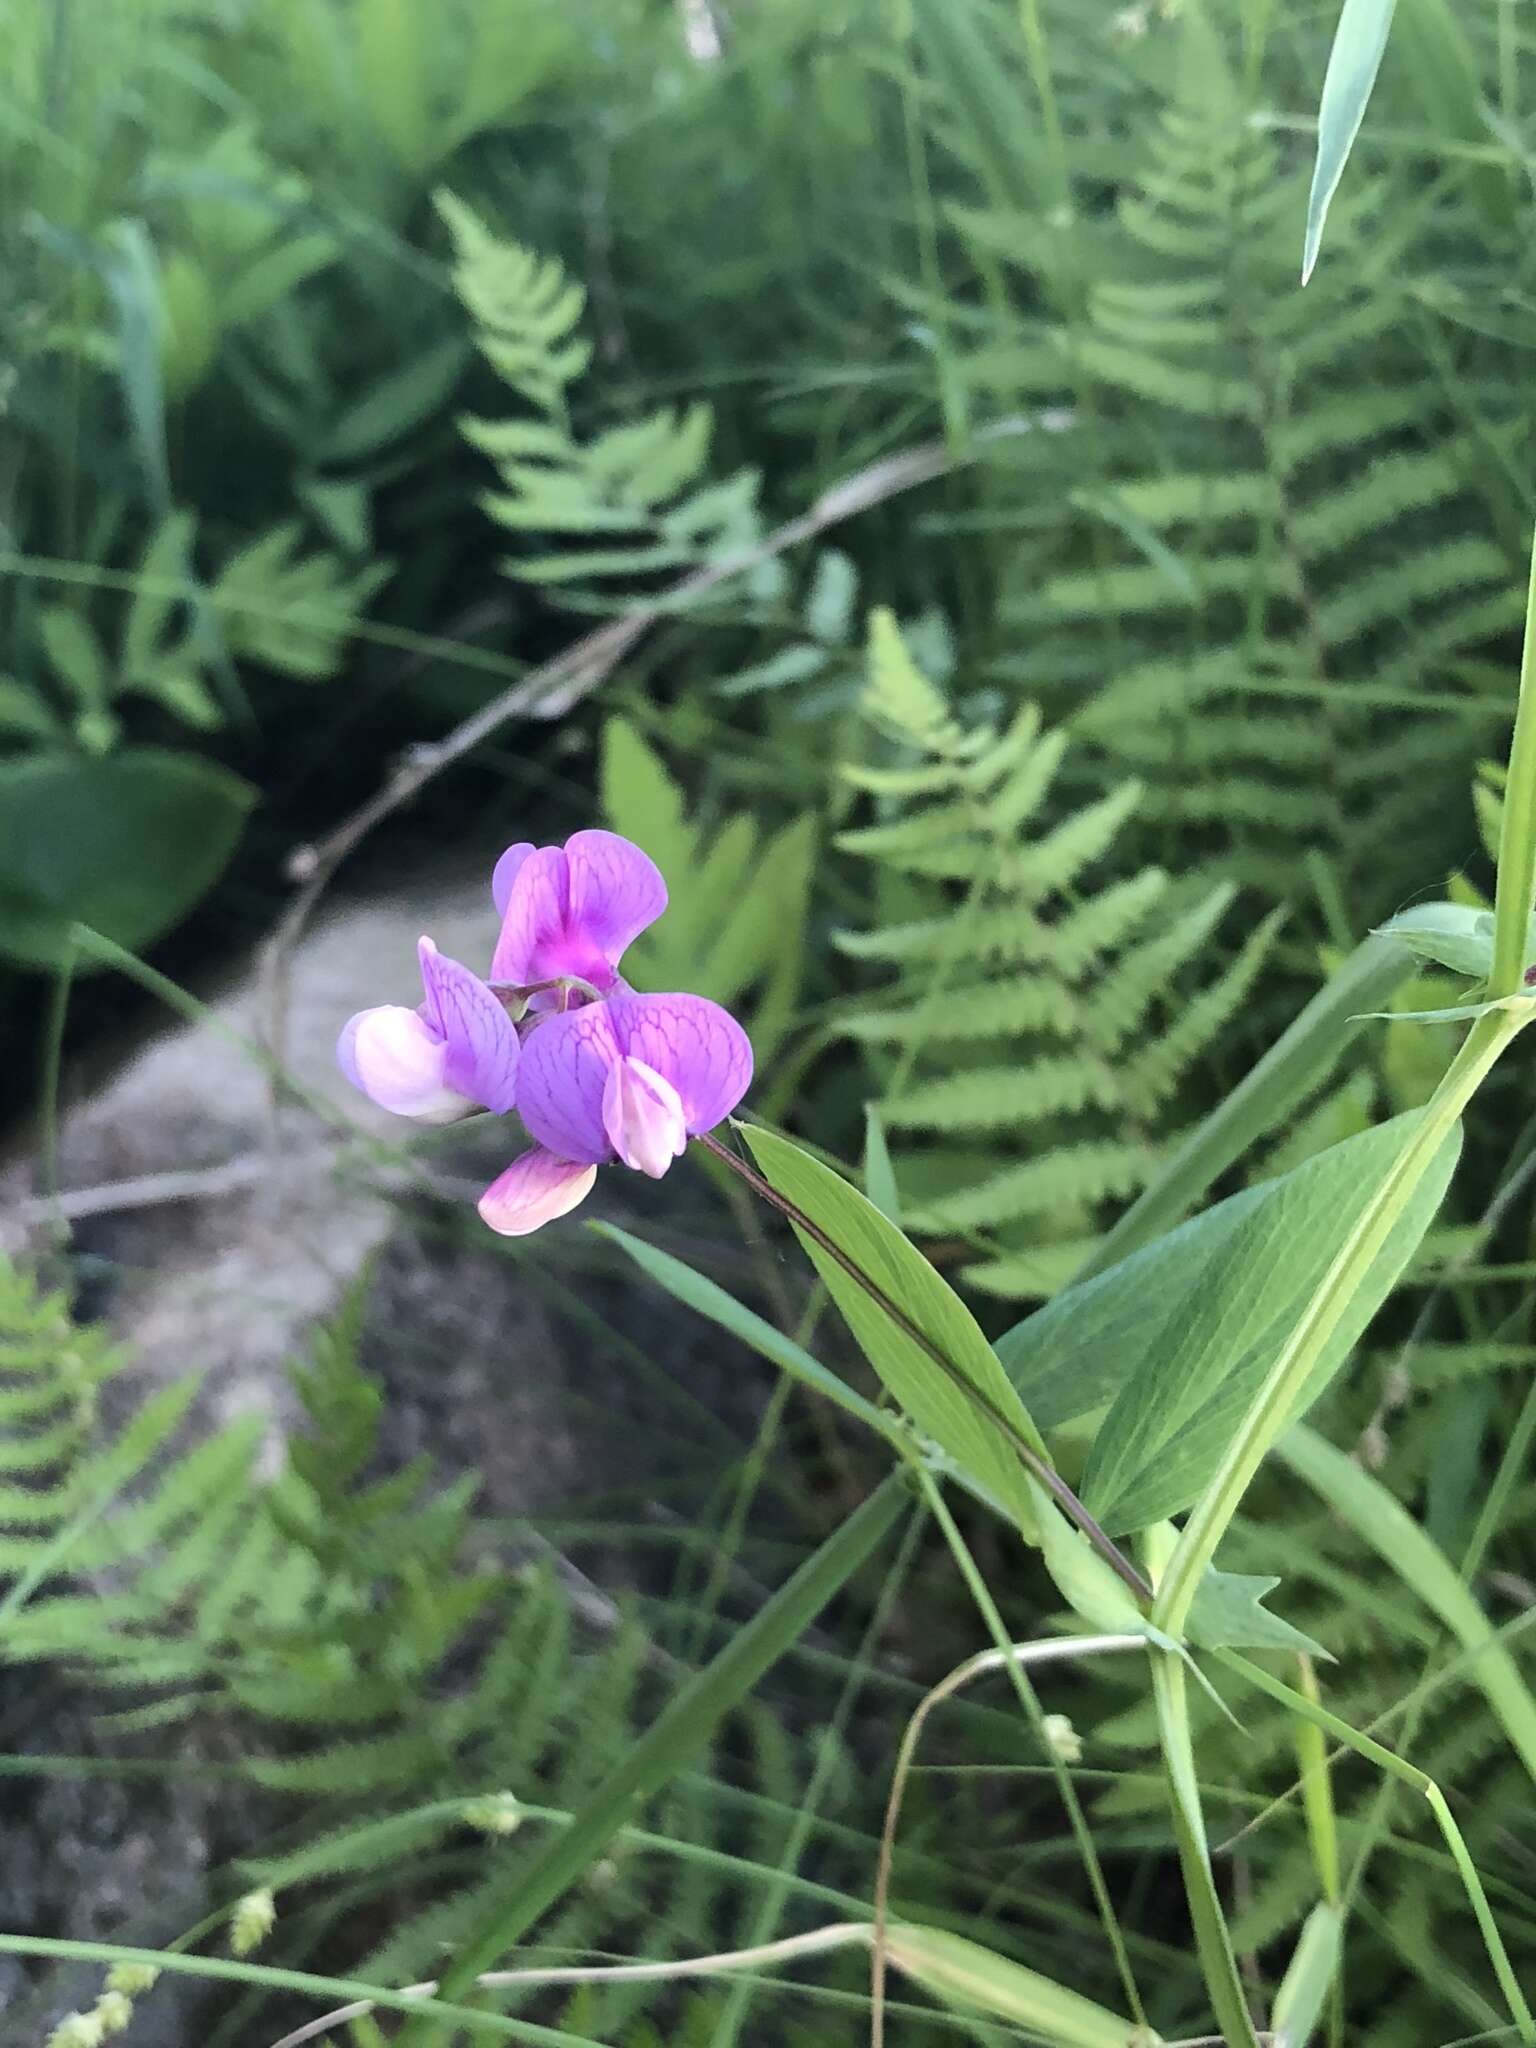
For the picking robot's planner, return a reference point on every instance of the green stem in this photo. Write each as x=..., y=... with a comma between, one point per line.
x=1398, y=1767
x=1517, y=834
x=303, y=1982
x=1029, y=1700
x=1217, y=1961
x=1275, y=1403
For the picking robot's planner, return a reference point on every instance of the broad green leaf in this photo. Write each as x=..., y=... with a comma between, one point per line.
x=1291, y=1069
x=1079, y=1351
x=1304, y=1987
x=713, y=1301
x=961, y=1972
x=126, y=845
x=1170, y=1422
x=1358, y=44
x=1075, y=1354
x=968, y=1408
x=1380, y=1519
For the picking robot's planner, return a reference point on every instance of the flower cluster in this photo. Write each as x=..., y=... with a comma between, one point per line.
x=596, y=1072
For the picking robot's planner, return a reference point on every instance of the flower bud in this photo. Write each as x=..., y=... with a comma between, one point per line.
x=253, y=1921
x=1062, y=1739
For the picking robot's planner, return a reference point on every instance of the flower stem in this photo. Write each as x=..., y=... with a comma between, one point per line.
x=1028, y=1456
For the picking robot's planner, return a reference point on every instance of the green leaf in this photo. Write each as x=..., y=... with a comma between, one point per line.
x=396, y=404
x=74, y=654
x=1170, y=1423
x=1082, y=1348
x=829, y=603
x=126, y=845
x=720, y=1307
x=25, y=714
x=962, y=1973
x=683, y=1725
x=1358, y=44
x=1292, y=1068
x=969, y=1409
x=1304, y=1987
x=1452, y=935
x=1229, y=1613
x=879, y=1174
x=1380, y=1520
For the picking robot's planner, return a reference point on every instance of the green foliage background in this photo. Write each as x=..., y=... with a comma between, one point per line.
x=357, y=356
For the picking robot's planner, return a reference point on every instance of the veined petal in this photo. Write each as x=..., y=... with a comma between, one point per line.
x=396, y=1058
x=572, y=910
x=616, y=890
x=505, y=873
x=691, y=1044
x=561, y=1081
x=533, y=1191
x=479, y=1037
x=694, y=1044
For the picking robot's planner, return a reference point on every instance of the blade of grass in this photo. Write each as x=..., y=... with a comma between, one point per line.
x=681, y=1727
x=1409, y=1774
x=1358, y=45
x=1375, y=1515
x=303, y=1983
x=1298, y=1059
x=1517, y=831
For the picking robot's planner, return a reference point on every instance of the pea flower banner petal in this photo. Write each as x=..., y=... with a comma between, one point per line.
x=570, y=911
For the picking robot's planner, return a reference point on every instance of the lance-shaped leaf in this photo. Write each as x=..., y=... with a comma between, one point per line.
x=966, y=1404
x=1169, y=1424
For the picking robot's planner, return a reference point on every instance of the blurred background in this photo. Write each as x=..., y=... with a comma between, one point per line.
x=877, y=455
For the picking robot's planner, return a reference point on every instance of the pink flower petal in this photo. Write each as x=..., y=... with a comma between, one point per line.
x=561, y=1080
x=399, y=1062
x=643, y=1116
x=616, y=890
x=572, y=910
x=688, y=1042
x=480, y=1038
x=505, y=873
x=694, y=1044
x=533, y=1191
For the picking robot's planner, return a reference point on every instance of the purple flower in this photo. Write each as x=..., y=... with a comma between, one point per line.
x=456, y=1052
x=568, y=912
x=630, y=1079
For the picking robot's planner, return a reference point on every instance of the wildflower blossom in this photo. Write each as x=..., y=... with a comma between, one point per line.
x=631, y=1079
x=597, y=1072
x=456, y=1052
